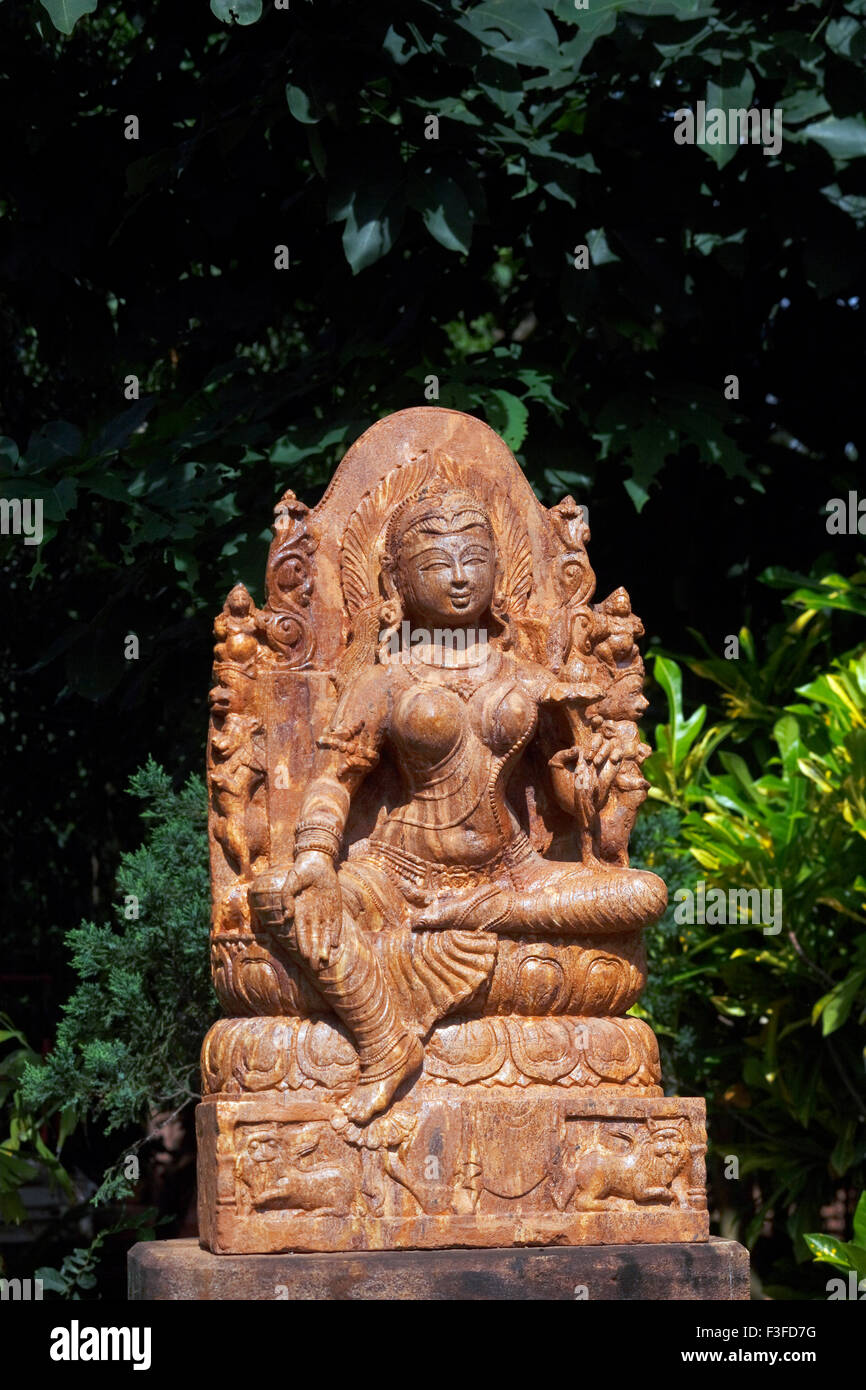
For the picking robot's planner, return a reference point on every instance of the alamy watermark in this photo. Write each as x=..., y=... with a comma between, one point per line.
x=20, y=1290
x=77, y=1343
x=716, y=907
x=22, y=516
x=738, y=125
x=448, y=644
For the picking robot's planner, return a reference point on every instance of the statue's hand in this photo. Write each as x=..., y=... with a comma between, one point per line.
x=572, y=777
x=572, y=693
x=311, y=895
x=311, y=869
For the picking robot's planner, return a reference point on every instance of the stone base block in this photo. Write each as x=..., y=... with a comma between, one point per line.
x=179, y=1269
x=451, y=1166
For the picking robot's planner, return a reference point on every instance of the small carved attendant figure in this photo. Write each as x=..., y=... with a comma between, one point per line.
x=235, y=629
x=237, y=766
x=617, y=628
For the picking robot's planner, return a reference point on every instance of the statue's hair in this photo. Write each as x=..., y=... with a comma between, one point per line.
x=434, y=512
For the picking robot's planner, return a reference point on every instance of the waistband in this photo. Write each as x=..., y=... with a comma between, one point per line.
x=404, y=867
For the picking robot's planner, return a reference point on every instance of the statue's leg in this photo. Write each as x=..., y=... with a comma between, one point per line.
x=351, y=980
x=559, y=899
x=570, y=898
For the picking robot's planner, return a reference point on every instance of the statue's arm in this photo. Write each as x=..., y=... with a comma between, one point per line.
x=348, y=749
x=564, y=736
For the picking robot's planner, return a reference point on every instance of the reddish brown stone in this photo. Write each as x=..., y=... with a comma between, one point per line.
x=424, y=766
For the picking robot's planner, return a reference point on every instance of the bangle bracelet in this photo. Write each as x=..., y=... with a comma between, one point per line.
x=318, y=829
x=310, y=841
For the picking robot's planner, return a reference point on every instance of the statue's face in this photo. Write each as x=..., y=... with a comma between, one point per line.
x=447, y=580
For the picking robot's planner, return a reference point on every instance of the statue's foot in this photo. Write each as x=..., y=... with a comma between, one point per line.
x=442, y=911
x=373, y=1095
x=476, y=910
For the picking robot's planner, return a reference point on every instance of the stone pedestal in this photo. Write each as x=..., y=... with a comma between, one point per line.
x=517, y=1131
x=180, y=1269
x=451, y=1166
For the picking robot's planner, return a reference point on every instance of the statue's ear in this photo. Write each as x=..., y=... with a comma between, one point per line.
x=387, y=584
x=499, y=602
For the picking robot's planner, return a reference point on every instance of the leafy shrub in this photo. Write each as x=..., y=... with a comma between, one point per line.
x=128, y=1044
x=24, y=1154
x=767, y=1023
x=849, y=1256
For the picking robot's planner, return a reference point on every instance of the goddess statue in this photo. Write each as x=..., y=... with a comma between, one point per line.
x=425, y=767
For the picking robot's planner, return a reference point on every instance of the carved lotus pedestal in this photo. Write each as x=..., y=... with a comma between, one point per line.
x=519, y=1131
x=424, y=765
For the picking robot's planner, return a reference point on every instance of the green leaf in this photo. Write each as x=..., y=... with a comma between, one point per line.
x=599, y=251
x=373, y=222
x=833, y=1008
x=830, y=1250
x=65, y=14
x=650, y=446
x=804, y=106
x=860, y=1221
x=8, y=452
x=515, y=31
x=843, y=138
x=299, y=105
x=236, y=11
x=683, y=9
x=739, y=768
x=593, y=23
x=51, y=442
x=447, y=213
x=728, y=98
x=509, y=417
x=787, y=734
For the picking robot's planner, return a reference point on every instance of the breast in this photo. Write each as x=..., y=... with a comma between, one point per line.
x=508, y=718
x=429, y=723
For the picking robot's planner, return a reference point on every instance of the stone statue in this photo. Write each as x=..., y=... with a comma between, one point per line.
x=424, y=768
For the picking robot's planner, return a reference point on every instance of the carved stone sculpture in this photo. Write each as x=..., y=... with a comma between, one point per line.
x=424, y=766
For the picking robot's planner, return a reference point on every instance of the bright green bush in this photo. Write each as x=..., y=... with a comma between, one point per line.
x=767, y=1022
x=847, y=1256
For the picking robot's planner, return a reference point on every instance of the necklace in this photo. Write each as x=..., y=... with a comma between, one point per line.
x=454, y=678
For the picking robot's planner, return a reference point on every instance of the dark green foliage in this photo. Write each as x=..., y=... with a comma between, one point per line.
x=656, y=844
x=409, y=257
x=847, y=1256
x=128, y=1043
x=24, y=1154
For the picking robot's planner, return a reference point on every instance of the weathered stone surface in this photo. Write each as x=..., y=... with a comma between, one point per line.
x=179, y=1269
x=462, y=1169
x=424, y=766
